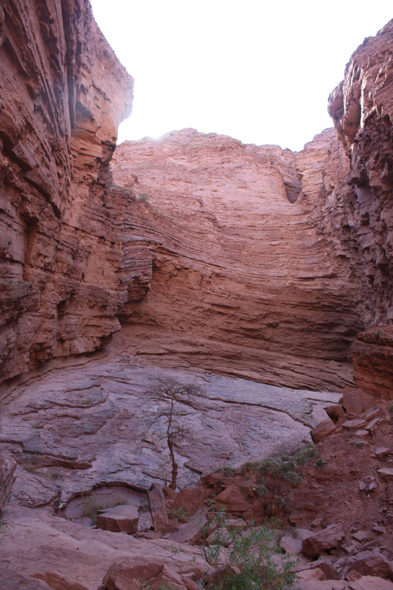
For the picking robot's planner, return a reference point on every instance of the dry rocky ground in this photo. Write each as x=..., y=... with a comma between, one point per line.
x=332, y=502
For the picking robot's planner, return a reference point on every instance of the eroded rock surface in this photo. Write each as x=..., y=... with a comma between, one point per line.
x=94, y=424
x=64, y=269
x=362, y=111
x=247, y=279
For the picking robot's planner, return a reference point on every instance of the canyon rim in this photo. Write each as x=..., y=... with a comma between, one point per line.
x=261, y=275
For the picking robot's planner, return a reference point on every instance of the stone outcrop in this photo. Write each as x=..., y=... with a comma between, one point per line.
x=64, y=266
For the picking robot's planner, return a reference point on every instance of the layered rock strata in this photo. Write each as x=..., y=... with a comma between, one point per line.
x=250, y=276
x=64, y=272
x=362, y=111
x=242, y=260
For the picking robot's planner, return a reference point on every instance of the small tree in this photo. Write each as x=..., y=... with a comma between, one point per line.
x=170, y=394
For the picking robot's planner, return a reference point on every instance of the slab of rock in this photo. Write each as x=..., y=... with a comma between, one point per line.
x=360, y=536
x=191, y=531
x=370, y=583
x=232, y=499
x=322, y=430
x=371, y=563
x=12, y=580
x=119, y=519
x=328, y=538
x=127, y=574
x=371, y=425
x=357, y=423
x=191, y=500
x=382, y=452
x=386, y=473
x=158, y=509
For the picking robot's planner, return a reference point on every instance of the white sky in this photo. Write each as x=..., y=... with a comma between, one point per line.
x=257, y=70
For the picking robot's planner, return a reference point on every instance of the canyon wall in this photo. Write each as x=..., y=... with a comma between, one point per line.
x=63, y=94
x=237, y=259
x=245, y=280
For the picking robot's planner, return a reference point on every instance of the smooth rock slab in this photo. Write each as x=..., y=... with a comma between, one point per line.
x=70, y=446
x=119, y=519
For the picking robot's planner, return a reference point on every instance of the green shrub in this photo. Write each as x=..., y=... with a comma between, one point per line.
x=144, y=198
x=179, y=514
x=248, y=563
x=284, y=467
x=227, y=469
x=319, y=463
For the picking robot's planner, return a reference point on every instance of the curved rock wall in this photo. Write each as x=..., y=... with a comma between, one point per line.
x=243, y=260
x=245, y=282
x=63, y=94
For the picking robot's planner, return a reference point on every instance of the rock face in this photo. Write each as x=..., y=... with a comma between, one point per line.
x=64, y=269
x=93, y=424
x=242, y=260
x=249, y=276
x=362, y=111
x=372, y=357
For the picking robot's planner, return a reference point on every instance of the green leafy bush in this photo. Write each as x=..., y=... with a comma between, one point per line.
x=245, y=560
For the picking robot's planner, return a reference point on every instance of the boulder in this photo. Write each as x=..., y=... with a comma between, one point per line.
x=371, y=563
x=322, y=430
x=12, y=580
x=356, y=401
x=328, y=538
x=119, y=519
x=191, y=531
x=232, y=499
x=126, y=576
x=190, y=500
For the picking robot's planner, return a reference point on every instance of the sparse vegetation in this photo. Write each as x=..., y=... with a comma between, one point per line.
x=144, y=198
x=227, y=469
x=379, y=333
x=243, y=560
x=170, y=394
x=179, y=514
x=390, y=408
x=319, y=463
x=357, y=444
x=283, y=467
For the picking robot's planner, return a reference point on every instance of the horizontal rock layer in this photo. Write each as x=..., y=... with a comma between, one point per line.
x=250, y=276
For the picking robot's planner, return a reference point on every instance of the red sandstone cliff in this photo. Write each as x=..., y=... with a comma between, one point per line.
x=63, y=94
x=244, y=280
x=253, y=261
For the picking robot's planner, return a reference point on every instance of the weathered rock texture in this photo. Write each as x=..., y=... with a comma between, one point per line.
x=94, y=424
x=248, y=261
x=362, y=111
x=250, y=276
x=63, y=263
